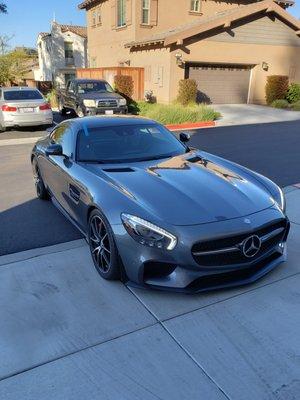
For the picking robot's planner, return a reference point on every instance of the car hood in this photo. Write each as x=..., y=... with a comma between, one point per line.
x=100, y=95
x=188, y=189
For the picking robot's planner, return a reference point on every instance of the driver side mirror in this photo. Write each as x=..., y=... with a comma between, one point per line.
x=54, y=150
x=184, y=137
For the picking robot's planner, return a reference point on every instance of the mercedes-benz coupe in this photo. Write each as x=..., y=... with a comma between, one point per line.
x=156, y=212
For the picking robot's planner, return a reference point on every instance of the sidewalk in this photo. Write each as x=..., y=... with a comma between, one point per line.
x=246, y=114
x=67, y=334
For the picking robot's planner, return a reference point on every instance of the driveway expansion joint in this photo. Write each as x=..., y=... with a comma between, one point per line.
x=188, y=354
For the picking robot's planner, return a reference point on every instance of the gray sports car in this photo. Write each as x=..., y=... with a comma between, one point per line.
x=157, y=213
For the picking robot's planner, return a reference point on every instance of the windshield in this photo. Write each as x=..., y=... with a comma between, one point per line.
x=117, y=144
x=22, y=95
x=89, y=87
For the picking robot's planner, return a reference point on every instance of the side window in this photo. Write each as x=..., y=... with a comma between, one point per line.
x=64, y=135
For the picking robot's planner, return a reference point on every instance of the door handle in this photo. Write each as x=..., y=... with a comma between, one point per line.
x=74, y=193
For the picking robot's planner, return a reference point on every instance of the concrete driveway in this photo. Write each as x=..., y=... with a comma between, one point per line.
x=67, y=334
x=244, y=114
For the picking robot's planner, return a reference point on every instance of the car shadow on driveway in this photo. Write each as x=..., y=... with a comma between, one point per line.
x=34, y=224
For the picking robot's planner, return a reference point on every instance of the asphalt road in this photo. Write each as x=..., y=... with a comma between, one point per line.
x=26, y=223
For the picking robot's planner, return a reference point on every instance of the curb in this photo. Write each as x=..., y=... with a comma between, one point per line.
x=190, y=126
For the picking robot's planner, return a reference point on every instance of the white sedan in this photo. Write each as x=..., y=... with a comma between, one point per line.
x=23, y=106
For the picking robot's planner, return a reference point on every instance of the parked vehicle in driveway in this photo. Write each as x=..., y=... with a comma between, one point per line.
x=23, y=106
x=90, y=97
x=156, y=212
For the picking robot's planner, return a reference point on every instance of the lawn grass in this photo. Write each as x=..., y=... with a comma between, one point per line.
x=176, y=113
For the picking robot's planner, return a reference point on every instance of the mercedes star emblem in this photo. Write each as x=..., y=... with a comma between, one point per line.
x=251, y=246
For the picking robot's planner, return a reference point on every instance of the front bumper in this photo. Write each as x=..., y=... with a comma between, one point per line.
x=178, y=270
x=103, y=110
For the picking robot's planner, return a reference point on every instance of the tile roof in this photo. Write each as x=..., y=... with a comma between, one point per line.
x=78, y=30
x=219, y=19
x=43, y=34
x=87, y=3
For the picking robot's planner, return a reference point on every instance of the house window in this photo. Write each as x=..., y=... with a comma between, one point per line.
x=195, y=6
x=69, y=54
x=121, y=13
x=146, y=12
x=99, y=16
x=69, y=77
x=94, y=18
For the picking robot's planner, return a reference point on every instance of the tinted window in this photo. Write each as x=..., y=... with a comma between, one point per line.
x=127, y=143
x=94, y=87
x=64, y=136
x=22, y=95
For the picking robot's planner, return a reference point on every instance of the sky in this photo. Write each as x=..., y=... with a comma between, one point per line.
x=26, y=18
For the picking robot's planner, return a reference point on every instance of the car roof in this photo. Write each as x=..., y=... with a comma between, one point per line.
x=88, y=80
x=116, y=120
x=18, y=88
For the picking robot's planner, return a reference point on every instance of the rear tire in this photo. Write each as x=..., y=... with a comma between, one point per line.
x=103, y=247
x=62, y=110
x=40, y=188
x=2, y=128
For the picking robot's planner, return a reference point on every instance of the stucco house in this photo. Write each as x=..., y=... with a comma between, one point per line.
x=60, y=52
x=228, y=46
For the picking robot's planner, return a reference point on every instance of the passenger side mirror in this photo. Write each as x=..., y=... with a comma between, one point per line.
x=184, y=137
x=54, y=150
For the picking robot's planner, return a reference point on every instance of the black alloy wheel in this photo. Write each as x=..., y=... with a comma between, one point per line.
x=40, y=188
x=103, y=248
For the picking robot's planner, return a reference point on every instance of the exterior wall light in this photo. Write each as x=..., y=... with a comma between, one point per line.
x=265, y=66
x=179, y=59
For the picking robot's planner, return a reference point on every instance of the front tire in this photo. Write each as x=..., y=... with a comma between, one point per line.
x=41, y=191
x=102, y=246
x=80, y=112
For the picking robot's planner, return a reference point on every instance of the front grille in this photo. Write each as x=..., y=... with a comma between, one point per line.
x=228, y=250
x=239, y=276
x=107, y=103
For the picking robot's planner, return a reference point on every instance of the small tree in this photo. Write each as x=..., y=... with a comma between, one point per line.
x=187, y=92
x=12, y=66
x=124, y=85
x=276, y=87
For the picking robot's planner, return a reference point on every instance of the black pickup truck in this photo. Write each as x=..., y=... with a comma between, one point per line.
x=90, y=97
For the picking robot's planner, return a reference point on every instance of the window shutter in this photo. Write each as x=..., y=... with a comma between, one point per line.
x=153, y=12
x=128, y=12
x=113, y=14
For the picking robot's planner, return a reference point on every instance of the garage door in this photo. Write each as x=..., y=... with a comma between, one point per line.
x=221, y=84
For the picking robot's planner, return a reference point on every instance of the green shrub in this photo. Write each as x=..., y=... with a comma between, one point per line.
x=276, y=88
x=296, y=106
x=280, y=103
x=124, y=85
x=293, y=94
x=176, y=113
x=51, y=97
x=187, y=92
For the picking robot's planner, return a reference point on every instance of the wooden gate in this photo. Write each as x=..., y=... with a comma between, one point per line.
x=109, y=73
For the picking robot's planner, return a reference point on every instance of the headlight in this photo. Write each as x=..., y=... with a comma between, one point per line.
x=122, y=102
x=89, y=103
x=147, y=233
x=280, y=199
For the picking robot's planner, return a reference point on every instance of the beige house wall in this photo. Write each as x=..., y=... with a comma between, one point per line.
x=175, y=13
